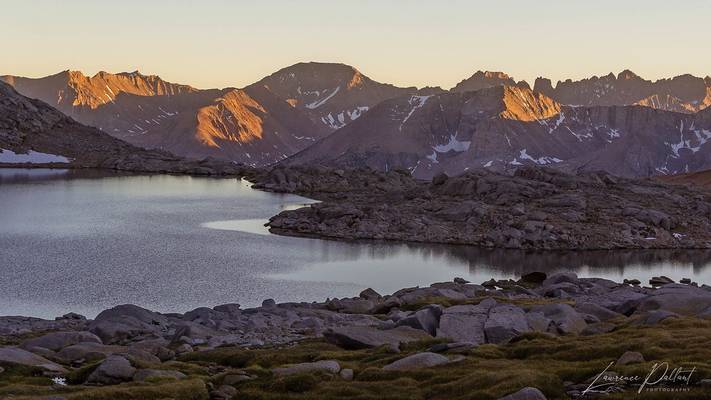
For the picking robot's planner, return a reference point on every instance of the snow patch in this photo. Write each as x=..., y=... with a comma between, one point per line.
x=452, y=145
x=32, y=157
x=318, y=103
x=415, y=102
x=523, y=155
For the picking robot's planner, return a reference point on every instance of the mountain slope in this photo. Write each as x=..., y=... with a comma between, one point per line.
x=504, y=127
x=331, y=94
x=33, y=132
x=252, y=126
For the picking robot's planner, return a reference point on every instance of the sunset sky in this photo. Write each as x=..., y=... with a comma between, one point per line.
x=219, y=43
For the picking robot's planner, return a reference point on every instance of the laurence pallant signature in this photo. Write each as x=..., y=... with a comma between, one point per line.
x=659, y=373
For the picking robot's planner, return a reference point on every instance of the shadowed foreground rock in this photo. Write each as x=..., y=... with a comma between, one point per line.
x=535, y=208
x=410, y=330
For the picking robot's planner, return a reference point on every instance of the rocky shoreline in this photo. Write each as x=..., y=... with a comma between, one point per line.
x=411, y=330
x=535, y=208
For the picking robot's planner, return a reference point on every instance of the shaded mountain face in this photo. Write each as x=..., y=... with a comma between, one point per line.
x=252, y=126
x=684, y=93
x=32, y=132
x=333, y=95
x=505, y=127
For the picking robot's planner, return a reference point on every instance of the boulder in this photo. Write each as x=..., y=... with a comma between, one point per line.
x=564, y=317
x=19, y=356
x=533, y=278
x=465, y=323
x=351, y=306
x=602, y=313
x=126, y=322
x=630, y=357
x=114, y=370
x=527, y=393
x=56, y=341
x=157, y=347
x=677, y=298
x=72, y=316
x=234, y=379
x=145, y=374
x=560, y=277
x=660, y=280
x=416, y=361
x=538, y=322
x=89, y=351
x=229, y=309
x=505, y=322
x=370, y=294
x=426, y=318
x=347, y=374
x=360, y=337
x=655, y=317
x=329, y=366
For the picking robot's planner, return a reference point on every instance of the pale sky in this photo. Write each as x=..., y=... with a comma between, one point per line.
x=220, y=43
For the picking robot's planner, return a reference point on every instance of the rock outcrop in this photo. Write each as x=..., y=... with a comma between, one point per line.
x=535, y=208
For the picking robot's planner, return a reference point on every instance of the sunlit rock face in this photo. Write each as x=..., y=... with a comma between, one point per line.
x=252, y=126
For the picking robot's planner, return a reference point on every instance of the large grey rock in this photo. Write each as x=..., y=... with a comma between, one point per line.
x=370, y=294
x=19, y=356
x=415, y=361
x=564, y=317
x=657, y=316
x=465, y=323
x=528, y=393
x=329, y=366
x=126, y=322
x=630, y=357
x=505, y=322
x=561, y=277
x=676, y=298
x=89, y=351
x=113, y=370
x=426, y=318
x=359, y=337
x=351, y=306
x=602, y=313
x=56, y=341
x=538, y=322
x=145, y=374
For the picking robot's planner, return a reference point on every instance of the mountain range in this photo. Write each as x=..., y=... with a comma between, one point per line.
x=333, y=114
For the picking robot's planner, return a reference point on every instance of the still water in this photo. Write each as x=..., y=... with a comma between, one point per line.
x=86, y=241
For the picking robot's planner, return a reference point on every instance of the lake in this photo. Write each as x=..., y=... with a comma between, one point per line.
x=85, y=241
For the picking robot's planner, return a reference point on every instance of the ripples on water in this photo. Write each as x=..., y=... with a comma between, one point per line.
x=84, y=241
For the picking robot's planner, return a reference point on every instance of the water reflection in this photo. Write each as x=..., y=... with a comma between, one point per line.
x=389, y=266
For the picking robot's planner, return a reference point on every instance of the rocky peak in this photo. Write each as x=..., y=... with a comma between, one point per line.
x=628, y=75
x=543, y=85
x=332, y=94
x=484, y=79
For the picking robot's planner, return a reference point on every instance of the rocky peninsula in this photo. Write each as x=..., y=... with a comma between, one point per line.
x=534, y=208
x=538, y=337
